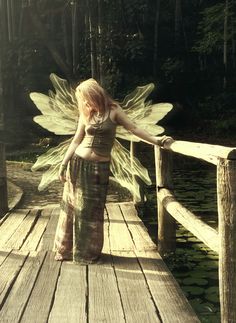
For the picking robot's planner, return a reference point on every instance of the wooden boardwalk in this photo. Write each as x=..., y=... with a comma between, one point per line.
x=130, y=284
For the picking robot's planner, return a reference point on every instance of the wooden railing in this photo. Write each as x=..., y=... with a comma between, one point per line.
x=222, y=241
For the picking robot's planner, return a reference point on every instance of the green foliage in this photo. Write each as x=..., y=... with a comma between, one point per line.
x=210, y=29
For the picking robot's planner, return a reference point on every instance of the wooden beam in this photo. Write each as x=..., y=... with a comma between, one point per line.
x=209, y=153
x=226, y=196
x=191, y=222
x=166, y=223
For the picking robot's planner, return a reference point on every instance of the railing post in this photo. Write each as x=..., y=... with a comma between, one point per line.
x=226, y=198
x=166, y=223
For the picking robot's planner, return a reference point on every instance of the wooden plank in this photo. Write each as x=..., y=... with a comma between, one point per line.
x=169, y=298
x=104, y=303
x=47, y=240
x=39, y=304
x=190, y=221
x=136, y=298
x=20, y=235
x=9, y=271
x=119, y=236
x=139, y=232
x=33, y=239
x=4, y=254
x=209, y=153
x=10, y=225
x=20, y=292
x=71, y=295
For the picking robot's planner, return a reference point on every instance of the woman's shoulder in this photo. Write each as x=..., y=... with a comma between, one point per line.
x=115, y=107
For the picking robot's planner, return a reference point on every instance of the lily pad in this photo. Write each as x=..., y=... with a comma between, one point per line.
x=212, y=290
x=212, y=298
x=210, y=263
x=193, y=290
x=181, y=240
x=195, y=281
x=193, y=239
x=199, y=274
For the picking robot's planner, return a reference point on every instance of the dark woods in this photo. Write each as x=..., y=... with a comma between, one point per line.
x=186, y=47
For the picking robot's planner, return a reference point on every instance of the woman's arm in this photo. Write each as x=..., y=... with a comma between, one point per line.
x=72, y=147
x=122, y=119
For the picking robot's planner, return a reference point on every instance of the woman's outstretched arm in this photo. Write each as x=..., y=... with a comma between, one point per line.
x=122, y=119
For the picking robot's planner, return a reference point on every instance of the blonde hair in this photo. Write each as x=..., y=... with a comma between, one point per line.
x=92, y=98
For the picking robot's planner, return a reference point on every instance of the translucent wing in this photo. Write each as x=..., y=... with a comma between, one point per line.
x=143, y=113
x=59, y=110
x=124, y=171
x=60, y=115
x=52, y=159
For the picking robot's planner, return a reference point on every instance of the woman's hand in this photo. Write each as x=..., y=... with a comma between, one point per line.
x=62, y=173
x=161, y=141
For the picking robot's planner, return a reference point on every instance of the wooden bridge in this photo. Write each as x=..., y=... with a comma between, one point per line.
x=130, y=284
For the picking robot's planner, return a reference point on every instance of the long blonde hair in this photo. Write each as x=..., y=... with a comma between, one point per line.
x=92, y=98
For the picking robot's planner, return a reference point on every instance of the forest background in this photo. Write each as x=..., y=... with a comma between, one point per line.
x=187, y=48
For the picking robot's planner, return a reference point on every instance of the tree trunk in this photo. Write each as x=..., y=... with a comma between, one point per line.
x=66, y=39
x=225, y=61
x=233, y=43
x=3, y=175
x=39, y=26
x=100, y=44
x=74, y=32
x=156, y=28
x=92, y=38
x=178, y=22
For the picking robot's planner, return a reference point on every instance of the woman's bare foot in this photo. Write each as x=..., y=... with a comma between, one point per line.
x=60, y=257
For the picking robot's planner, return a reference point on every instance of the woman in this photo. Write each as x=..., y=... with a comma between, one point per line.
x=85, y=173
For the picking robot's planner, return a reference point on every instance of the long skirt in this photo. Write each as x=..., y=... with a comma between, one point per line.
x=79, y=234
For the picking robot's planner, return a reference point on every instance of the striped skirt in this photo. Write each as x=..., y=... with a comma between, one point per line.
x=79, y=234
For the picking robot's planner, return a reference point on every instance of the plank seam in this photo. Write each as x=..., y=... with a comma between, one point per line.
x=27, y=301
x=87, y=294
x=132, y=238
x=38, y=213
x=45, y=229
x=16, y=227
x=113, y=266
x=54, y=292
x=13, y=281
x=148, y=287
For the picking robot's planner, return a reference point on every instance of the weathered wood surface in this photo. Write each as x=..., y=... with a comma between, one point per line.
x=190, y=221
x=209, y=153
x=226, y=198
x=130, y=284
x=166, y=223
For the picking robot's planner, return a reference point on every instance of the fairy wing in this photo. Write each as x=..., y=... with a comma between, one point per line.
x=146, y=116
x=125, y=171
x=60, y=115
x=143, y=113
x=59, y=110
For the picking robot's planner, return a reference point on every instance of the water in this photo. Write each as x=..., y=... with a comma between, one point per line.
x=194, y=265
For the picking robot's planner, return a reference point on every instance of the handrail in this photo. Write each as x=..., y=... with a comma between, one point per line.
x=223, y=242
x=209, y=153
x=190, y=221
